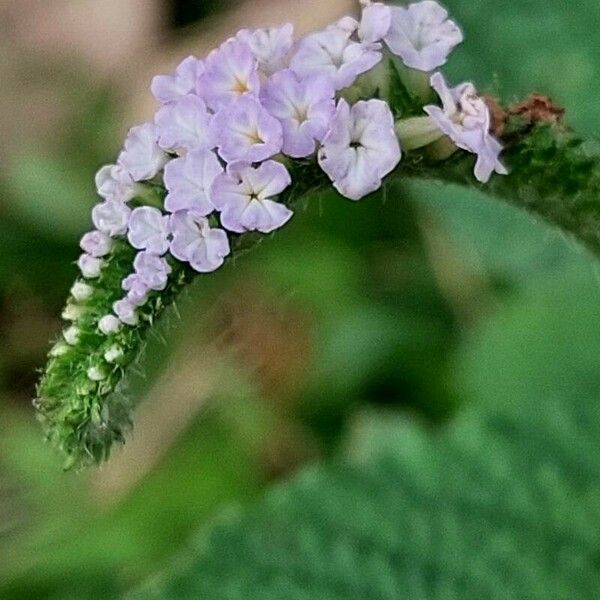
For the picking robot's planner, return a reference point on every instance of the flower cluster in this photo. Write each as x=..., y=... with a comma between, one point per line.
x=228, y=126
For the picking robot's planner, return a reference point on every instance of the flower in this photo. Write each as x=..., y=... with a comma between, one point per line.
x=196, y=243
x=188, y=180
x=153, y=270
x=111, y=217
x=141, y=156
x=304, y=108
x=244, y=130
x=149, y=230
x=375, y=21
x=270, y=47
x=109, y=324
x=96, y=243
x=231, y=72
x=137, y=290
x=81, y=291
x=113, y=182
x=422, y=35
x=72, y=312
x=465, y=119
x=360, y=148
x=169, y=88
x=96, y=373
x=332, y=52
x=184, y=124
x=126, y=311
x=244, y=195
x=90, y=266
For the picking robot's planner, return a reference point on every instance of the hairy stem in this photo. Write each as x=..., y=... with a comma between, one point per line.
x=553, y=174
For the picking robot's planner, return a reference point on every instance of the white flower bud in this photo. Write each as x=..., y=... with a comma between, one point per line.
x=81, y=291
x=109, y=324
x=59, y=349
x=72, y=312
x=96, y=373
x=113, y=354
x=71, y=335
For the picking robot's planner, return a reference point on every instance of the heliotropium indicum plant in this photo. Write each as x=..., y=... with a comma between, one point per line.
x=241, y=136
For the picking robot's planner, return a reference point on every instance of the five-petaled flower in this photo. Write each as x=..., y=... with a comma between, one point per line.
x=149, y=230
x=270, y=47
x=231, y=72
x=422, y=35
x=245, y=130
x=153, y=270
x=245, y=195
x=184, y=124
x=465, y=119
x=113, y=182
x=141, y=156
x=188, y=180
x=304, y=108
x=360, y=147
x=169, y=88
x=196, y=243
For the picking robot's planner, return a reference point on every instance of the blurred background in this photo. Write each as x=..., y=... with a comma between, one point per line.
x=354, y=309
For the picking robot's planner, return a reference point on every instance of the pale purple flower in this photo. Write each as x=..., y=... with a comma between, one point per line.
x=137, y=290
x=126, y=311
x=465, y=119
x=360, y=148
x=244, y=130
x=169, y=88
x=188, y=180
x=332, y=52
x=375, y=21
x=111, y=217
x=196, y=243
x=90, y=266
x=304, y=108
x=113, y=182
x=231, y=72
x=96, y=243
x=270, y=47
x=141, y=156
x=109, y=324
x=149, y=230
x=153, y=270
x=422, y=35
x=184, y=124
x=245, y=196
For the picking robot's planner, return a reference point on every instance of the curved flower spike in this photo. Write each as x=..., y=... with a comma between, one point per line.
x=422, y=35
x=304, y=108
x=188, y=180
x=149, y=230
x=465, y=119
x=244, y=195
x=360, y=147
x=231, y=72
x=270, y=47
x=184, y=124
x=245, y=131
x=169, y=88
x=196, y=243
